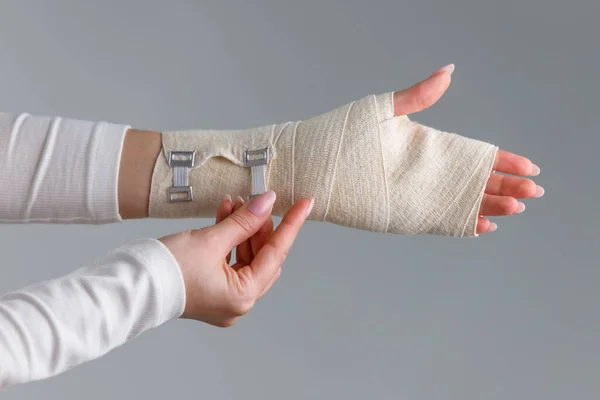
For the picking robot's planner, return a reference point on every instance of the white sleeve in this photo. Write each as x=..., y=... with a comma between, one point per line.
x=57, y=170
x=52, y=326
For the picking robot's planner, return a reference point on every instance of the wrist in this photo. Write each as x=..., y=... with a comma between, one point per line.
x=140, y=150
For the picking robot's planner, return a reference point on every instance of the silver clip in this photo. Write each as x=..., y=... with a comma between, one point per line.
x=181, y=162
x=180, y=193
x=256, y=160
x=256, y=157
x=182, y=158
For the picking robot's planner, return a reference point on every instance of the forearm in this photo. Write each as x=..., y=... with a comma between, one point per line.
x=140, y=150
x=52, y=326
x=60, y=170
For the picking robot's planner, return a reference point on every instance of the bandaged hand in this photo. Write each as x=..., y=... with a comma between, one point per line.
x=366, y=164
x=219, y=293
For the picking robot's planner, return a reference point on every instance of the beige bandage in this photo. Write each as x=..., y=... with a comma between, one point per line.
x=364, y=167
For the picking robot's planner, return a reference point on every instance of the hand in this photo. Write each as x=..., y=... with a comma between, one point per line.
x=501, y=192
x=216, y=292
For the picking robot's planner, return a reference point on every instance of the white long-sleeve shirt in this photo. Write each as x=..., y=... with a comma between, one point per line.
x=57, y=170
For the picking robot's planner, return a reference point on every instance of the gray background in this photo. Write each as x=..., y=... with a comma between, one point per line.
x=355, y=315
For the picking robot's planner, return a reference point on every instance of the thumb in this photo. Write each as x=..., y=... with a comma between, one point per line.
x=424, y=94
x=245, y=222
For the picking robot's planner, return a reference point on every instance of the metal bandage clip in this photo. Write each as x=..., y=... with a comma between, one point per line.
x=180, y=162
x=256, y=160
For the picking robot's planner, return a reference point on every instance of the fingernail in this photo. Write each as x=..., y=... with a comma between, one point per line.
x=535, y=170
x=493, y=227
x=227, y=198
x=239, y=201
x=539, y=191
x=310, y=207
x=448, y=68
x=520, y=208
x=261, y=204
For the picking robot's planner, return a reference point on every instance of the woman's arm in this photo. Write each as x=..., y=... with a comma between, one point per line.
x=67, y=171
x=52, y=326
x=64, y=170
x=59, y=170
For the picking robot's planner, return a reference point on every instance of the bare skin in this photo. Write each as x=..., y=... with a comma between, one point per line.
x=502, y=193
x=218, y=292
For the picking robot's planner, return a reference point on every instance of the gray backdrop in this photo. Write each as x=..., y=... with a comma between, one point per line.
x=355, y=315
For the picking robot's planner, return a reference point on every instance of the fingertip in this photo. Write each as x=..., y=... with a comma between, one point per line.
x=239, y=202
x=449, y=69
x=310, y=207
x=224, y=208
x=539, y=191
x=422, y=95
x=482, y=225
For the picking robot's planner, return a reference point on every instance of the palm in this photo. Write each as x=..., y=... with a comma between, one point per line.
x=502, y=192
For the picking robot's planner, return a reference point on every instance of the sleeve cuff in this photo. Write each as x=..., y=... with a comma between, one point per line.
x=166, y=274
x=105, y=156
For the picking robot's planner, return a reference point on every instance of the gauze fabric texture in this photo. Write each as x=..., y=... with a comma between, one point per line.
x=365, y=168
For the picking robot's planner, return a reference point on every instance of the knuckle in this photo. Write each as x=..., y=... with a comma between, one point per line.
x=241, y=307
x=508, y=206
x=527, y=188
x=524, y=166
x=282, y=256
x=242, y=222
x=421, y=98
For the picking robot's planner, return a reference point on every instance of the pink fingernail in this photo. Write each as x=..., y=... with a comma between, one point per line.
x=261, y=204
x=227, y=198
x=493, y=227
x=448, y=68
x=535, y=170
x=239, y=201
x=310, y=207
x=539, y=191
x=520, y=208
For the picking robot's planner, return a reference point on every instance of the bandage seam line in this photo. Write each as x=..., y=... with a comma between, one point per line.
x=280, y=132
x=480, y=197
x=459, y=194
x=382, y=163
x=293, y=161
x=336, y=161
x=274, y=144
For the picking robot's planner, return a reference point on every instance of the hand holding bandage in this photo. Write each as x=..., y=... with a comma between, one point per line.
x=367, y=165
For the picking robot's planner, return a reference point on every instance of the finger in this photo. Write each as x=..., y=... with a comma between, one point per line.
x=493, y=205
x=520, y=188
x=243, y=252
x=243, y=223
x=260, y=238
x=270, y=285
x=514, y=164
x=274, y=252
x=484, y=225
x=223, y=211
x=424, y=94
